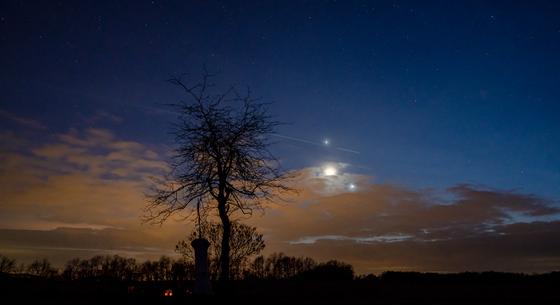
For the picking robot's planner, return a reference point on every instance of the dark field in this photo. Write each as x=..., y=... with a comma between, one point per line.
x=390, y=288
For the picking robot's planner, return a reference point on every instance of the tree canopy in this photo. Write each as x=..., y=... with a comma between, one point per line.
x=221, y=163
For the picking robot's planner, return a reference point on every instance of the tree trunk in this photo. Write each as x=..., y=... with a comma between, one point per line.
x=226, y=234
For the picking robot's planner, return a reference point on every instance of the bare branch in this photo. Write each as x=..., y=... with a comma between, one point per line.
x=221, y=158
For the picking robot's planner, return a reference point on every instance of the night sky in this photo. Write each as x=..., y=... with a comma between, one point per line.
x=442, y=114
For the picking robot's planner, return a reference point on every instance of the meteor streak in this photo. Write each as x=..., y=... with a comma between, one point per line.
x=325, y=142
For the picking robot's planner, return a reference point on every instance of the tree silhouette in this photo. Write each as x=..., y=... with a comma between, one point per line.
x=280, y=266
x=41, y=268
x=72, y=270
x=221, y=162
x=331, y=270
x=160, y=270
x=7, y=264
x=244, y=242
x=182, y=270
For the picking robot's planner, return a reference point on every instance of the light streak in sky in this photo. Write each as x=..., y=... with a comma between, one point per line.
x=325, y=142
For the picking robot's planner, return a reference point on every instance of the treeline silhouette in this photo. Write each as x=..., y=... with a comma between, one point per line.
x=275, y=279
x=275, y=266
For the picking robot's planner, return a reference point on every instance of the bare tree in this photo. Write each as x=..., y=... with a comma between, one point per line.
x=41, y=268
x=245, y=242
x=7, y=265
x=221, y=161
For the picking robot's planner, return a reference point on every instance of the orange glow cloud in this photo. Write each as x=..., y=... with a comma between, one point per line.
x=82, y=193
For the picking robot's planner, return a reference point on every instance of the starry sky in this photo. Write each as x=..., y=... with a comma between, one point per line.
x=443, y=114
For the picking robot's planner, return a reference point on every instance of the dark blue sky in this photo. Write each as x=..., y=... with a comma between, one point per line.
x=431, y=94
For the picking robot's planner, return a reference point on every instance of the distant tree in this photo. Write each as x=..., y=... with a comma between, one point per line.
x=182, y=270
x=41, y=268
x=86, y=268
x=21, y=268
x=370, y=277
x=94, y=266
x=164, y=268
x=117, y=267
x=221, y=162
x=244, y=242
x=280, y=266
x=160, y=270
x=126, y=269
x=72, y=270
x=332, y=270
x=7, y=265
x=149, y=271
x=256, y=268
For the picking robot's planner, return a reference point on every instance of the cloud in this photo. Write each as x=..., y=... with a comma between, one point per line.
x=533, y=247
x=22, y=121
x=79, y=193
x=368, y=239
x=101, y=115
x=87, y=177
x=82, y=193
x=62, y=244
x=386, y=227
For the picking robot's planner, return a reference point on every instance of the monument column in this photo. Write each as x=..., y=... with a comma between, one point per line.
x=202, y=276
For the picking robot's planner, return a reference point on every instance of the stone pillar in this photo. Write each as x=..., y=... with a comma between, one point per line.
x=202, y=276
